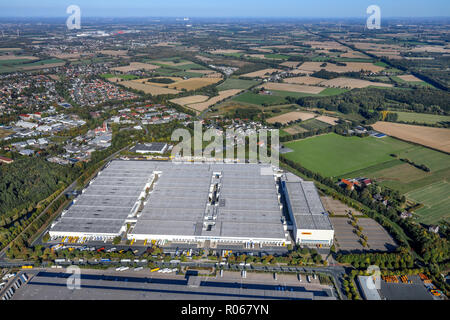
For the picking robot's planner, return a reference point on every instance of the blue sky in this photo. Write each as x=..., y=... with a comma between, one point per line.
x=225, y=8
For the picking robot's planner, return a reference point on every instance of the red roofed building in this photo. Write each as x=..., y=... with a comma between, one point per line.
x=6, y=160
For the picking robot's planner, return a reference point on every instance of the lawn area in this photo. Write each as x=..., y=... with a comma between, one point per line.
x=421, y=117
x=436, y=200
x=333, y=155
x=231, y=83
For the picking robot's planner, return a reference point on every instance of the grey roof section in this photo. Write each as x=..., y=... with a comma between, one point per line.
x=107, y=226
x=96, y=213
x=150, y=147
x=179, y=201
x=307, y=207
x=369, y=288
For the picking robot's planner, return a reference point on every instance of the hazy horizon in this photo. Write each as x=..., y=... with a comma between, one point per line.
x=229, y=9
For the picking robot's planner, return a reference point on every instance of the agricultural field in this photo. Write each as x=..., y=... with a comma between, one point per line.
x=261, y=73
x=304, y=80
x=4, y=133
x=349, y=157
x=421, y=117
x=259, y=99
x=134, y=66
x=312, y=66
x=201, y=106
x=312, y=124
x=333, y=155
x=291, y=88
x=193, y=83
x=189, y=100
x=436, y=201
x=147, y=88
x=291, y=116
x=231, y=83
x=436, y=138
x=352, y=83
x=119, y=76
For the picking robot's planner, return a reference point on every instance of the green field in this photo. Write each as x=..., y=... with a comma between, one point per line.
x=276, y=56
x=436, y=200
x=335, y=155
x=259, y=99
x=312, y=124
x=231, y=83
x=121, y=76
x=421, y=117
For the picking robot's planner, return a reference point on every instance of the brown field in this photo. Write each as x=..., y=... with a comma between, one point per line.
x=193, y=83
x=14, y=57
x=206, y=59
x=304, y=80
x=352, y=83
x=114, y=53
x=202, y=71
x=260, y=73
x=290, y=64
x=436, y=138
x=294, y=129
x=327, y=119
x=222, y=95
x=351, y=66
x=353, y=54
x=262, y=49
x=409, y=77
x=225, y=51
x=135, y=66
x=10, y=49
x=54, y=77
x=256, y=55
x=148, y=88
x=189, y=100
x=291, y=87
x=291, y=116
x=4, y=133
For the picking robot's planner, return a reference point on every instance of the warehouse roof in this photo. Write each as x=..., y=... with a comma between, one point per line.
x=307, y=207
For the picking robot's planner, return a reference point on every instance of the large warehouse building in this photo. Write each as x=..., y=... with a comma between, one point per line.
x=182, y=202
x=312, y=225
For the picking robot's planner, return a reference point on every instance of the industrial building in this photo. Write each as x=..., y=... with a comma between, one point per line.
x=190, y=202
x=154, y=147
x=311, y=224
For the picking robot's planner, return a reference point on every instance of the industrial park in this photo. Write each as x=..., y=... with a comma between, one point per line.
x=218, y=203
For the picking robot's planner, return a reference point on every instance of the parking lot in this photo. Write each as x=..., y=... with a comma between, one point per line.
x=405, y=291
x=142, y=284
x=378, y=238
